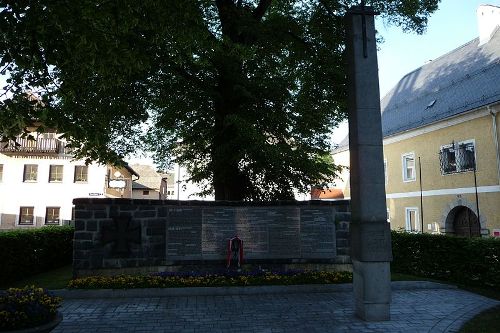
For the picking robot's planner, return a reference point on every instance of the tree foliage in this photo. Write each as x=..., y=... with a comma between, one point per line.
x=242, y=92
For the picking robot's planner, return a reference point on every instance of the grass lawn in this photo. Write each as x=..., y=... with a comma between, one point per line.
x=485, y=322
x=55, y=279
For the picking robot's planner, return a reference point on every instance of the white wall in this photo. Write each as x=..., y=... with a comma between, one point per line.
x=139, y=194
x=14, y=193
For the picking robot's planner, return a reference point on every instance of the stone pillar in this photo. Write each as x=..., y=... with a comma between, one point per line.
x=370, y=233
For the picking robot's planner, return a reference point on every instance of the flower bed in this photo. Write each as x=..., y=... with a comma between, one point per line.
x=228, y=278
x=26, y=307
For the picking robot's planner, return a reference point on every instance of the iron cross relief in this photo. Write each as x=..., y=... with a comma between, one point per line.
x=121, y=234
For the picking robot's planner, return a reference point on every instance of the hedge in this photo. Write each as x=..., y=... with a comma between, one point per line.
x=467, y=261
x=27, y=252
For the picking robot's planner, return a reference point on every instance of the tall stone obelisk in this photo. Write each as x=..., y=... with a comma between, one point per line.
x=370, y=233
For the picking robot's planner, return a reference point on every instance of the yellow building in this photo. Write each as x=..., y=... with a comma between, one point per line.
x=441, y=140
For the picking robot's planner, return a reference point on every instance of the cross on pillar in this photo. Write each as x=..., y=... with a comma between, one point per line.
x=363, y=11
x=363, y=26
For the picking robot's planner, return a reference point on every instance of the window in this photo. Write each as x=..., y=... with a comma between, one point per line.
x=145, y=192
x=30, y=172
x=56, y=174
x=81, y=174
x=1, y=172
x=52, y=215
x=409, y=167
x=412, y=224
x=457, y=157
x=26, y=216
x=433, y=227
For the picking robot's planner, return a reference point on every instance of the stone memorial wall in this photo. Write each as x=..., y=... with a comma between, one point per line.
x=124, y=235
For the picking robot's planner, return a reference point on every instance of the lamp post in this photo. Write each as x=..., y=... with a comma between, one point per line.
x=178, y=180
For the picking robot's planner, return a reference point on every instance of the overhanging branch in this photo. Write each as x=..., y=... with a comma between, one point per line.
x=261, y=8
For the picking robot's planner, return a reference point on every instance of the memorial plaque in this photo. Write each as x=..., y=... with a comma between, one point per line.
x=284, y=232
x=184, y=233
x=252, y=228
x=370, y=241
x=218, y=227
x=317, y=233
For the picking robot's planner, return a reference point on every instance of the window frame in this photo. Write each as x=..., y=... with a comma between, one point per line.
x=58, y=216
x=386, y=171
x=405, y=167
x=19, y=222
x=408, y=210
x=25, y=179
x=458, y=165
x=84, y=167
x=50, y=173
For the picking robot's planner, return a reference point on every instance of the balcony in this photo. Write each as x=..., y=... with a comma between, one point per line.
x=24, y=146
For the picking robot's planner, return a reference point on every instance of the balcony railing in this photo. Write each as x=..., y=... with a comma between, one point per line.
x=27, y=146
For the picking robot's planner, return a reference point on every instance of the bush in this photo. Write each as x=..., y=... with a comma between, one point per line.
x=467, y=261
x=28, y=252
x=172, y=280
x=27, y=307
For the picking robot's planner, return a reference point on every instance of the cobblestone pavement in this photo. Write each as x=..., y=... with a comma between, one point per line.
x=429, y=310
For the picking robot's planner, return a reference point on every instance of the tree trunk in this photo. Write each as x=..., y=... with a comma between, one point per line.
x=227, y=150
x=228, y=181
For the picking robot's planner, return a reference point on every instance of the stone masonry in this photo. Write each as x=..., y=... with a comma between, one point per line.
x=128, y=236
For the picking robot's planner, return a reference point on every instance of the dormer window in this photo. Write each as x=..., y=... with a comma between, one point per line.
x=431, y=104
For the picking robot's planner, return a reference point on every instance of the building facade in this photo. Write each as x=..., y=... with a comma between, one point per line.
x=441, y=140
x=150, y=185
x=39, y=180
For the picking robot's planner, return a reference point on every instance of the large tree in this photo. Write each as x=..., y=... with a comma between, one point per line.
x=242, y=92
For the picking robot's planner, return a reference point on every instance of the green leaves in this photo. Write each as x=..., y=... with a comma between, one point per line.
x=251, y=88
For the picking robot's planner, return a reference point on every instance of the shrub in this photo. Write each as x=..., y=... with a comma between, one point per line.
x=468, y=261
x=27, y=252
x=27, y=307
x=172, y=280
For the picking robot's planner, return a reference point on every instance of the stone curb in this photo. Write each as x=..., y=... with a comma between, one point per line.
x=229, y=291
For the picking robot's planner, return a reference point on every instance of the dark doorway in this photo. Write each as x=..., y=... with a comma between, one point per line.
x=465, y=222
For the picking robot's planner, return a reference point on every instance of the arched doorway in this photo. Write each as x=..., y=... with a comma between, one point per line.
x=464, y=222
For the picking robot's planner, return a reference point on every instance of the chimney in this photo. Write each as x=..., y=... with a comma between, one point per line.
x=488, y=18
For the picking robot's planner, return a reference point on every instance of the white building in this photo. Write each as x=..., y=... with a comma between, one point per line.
x=39, y=180
x=150, y=185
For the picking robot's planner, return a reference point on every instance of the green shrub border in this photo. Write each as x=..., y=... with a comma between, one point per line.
x=467, y=261
x=28, y=252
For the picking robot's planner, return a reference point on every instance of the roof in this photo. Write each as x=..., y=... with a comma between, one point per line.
x=330, y=193
x=460, y=81
x=132, y=171
x=343, y=145
x=149, y=179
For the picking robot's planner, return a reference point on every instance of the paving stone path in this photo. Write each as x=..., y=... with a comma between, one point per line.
x=418, y=310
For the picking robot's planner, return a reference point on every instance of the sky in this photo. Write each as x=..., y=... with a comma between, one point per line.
x=451, y=26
